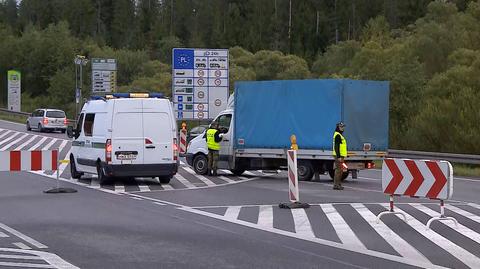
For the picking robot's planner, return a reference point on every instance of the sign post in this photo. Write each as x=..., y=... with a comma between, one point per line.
x=14, y=90
x=199, y=82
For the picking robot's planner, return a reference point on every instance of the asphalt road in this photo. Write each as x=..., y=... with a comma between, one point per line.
x=224, y=222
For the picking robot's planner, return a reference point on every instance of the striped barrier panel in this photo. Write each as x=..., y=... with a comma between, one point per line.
x=183, y=141
x=29, y=160
x=419, y=179
x=292, y=176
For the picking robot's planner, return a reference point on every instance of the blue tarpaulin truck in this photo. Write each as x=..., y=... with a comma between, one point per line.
x=264, y=114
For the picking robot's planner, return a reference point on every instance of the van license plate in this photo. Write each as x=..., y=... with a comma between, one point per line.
x=126, y=157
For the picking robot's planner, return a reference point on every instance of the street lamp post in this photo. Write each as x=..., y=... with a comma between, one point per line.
x=80, y=61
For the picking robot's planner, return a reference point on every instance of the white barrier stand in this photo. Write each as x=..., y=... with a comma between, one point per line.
x=293, y=192
x=418, y=179
x=391, y=211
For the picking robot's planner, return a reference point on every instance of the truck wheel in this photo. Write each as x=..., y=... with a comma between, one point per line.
x=200, y=164
x=237, y=171
x=73, y=169
x=304, y=170
x=165, y=179
x=332, y=174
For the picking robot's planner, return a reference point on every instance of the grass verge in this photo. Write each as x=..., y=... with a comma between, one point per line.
x=13, y=117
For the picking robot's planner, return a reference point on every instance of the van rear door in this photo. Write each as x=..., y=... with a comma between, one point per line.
x=158, y=131
x=127, y=132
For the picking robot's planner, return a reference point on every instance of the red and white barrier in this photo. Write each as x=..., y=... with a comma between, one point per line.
x=183, y=141
x=419, y=179
x=292, y=176
x=29, y=160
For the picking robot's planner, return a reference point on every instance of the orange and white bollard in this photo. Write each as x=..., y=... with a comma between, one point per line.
x=293, y=191
x=183, y=139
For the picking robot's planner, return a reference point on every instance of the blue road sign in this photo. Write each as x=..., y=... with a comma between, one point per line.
x=183, y=58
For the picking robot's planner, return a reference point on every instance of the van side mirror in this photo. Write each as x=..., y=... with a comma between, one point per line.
x=70, y=132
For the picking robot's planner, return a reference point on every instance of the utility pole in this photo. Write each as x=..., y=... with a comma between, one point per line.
x=336, y=24
x=79, y=61
x=171, y=18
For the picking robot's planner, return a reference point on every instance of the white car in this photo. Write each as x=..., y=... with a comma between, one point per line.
x=47, y=120
x=131, y=135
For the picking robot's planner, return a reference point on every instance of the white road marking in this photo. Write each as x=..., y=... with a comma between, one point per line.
x=398, y=244
x=224, y=178
x=19, y=257
x=5, y=134
x=25, y=238
x=50, y=144
x=474, y=205
x=265, y=216
x=16, y=140
x=37, y=145
x=302, y=224
x=158, y=203
x=460, y=229
x=3, y=235
x=324, y=242
x=21, y=245
x=248, y=173
x=119, y=188
x=184, y=181
x=142, y=186
x=463, y=255
x=344, y=232
x=26, y=142
x=232, y=212
x=205, y=180
x=167, y=187
x=136, y=198
x=94, y=183
x=463, y=213
x=26, y=265
x=62, y=145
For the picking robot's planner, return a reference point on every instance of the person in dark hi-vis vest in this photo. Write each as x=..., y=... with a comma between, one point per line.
x=339, y=153
x=213, y=137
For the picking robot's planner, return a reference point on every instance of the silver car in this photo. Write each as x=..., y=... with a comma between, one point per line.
x=47, y=120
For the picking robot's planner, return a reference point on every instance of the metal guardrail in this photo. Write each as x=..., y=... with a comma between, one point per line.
x=394, y=153
x=451, y=157
x=14, y=112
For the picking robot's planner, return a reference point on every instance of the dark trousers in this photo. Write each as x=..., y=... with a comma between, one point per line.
x=337, y=179
x=212, y=160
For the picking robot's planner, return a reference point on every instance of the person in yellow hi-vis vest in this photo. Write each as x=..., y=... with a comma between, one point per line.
x=339, y=153
x=213, y=137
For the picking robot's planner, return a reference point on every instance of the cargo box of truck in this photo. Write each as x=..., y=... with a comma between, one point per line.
x=266, y=113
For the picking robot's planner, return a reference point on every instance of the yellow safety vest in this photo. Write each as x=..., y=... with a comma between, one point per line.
x=211, y=140
x=343, y=145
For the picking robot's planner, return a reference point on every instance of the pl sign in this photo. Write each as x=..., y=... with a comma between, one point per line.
x=199, y=82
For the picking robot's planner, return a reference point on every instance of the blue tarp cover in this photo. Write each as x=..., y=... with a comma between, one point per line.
x=267, y=113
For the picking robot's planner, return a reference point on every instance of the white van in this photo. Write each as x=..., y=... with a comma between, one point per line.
x=131, y=135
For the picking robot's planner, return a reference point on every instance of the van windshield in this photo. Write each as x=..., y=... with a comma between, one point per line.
x=55, y=114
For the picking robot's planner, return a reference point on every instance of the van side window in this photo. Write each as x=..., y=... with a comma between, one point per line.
x=88, y=124
x=79, y=124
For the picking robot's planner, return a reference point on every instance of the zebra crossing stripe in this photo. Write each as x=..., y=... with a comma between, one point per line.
x=94, y=183
x=474, y=205
x=37, y=145
x=3, y=234
x=248, y=173
x=26, y=142
x=62, y=145
x=265, y=216
x=19, y=257
x=5, y=134
x=167, y=186
x=401, y=246
x=50, y=144
x=119, y=188
x=142, y=187
x=464, y=213
x=184, y=181
x=466, y=257
x=13, y=142
x=302, y=224
x=344, y=232
x=205, y=180
x=232, y=212
x=461, y=228
x=226, y=179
